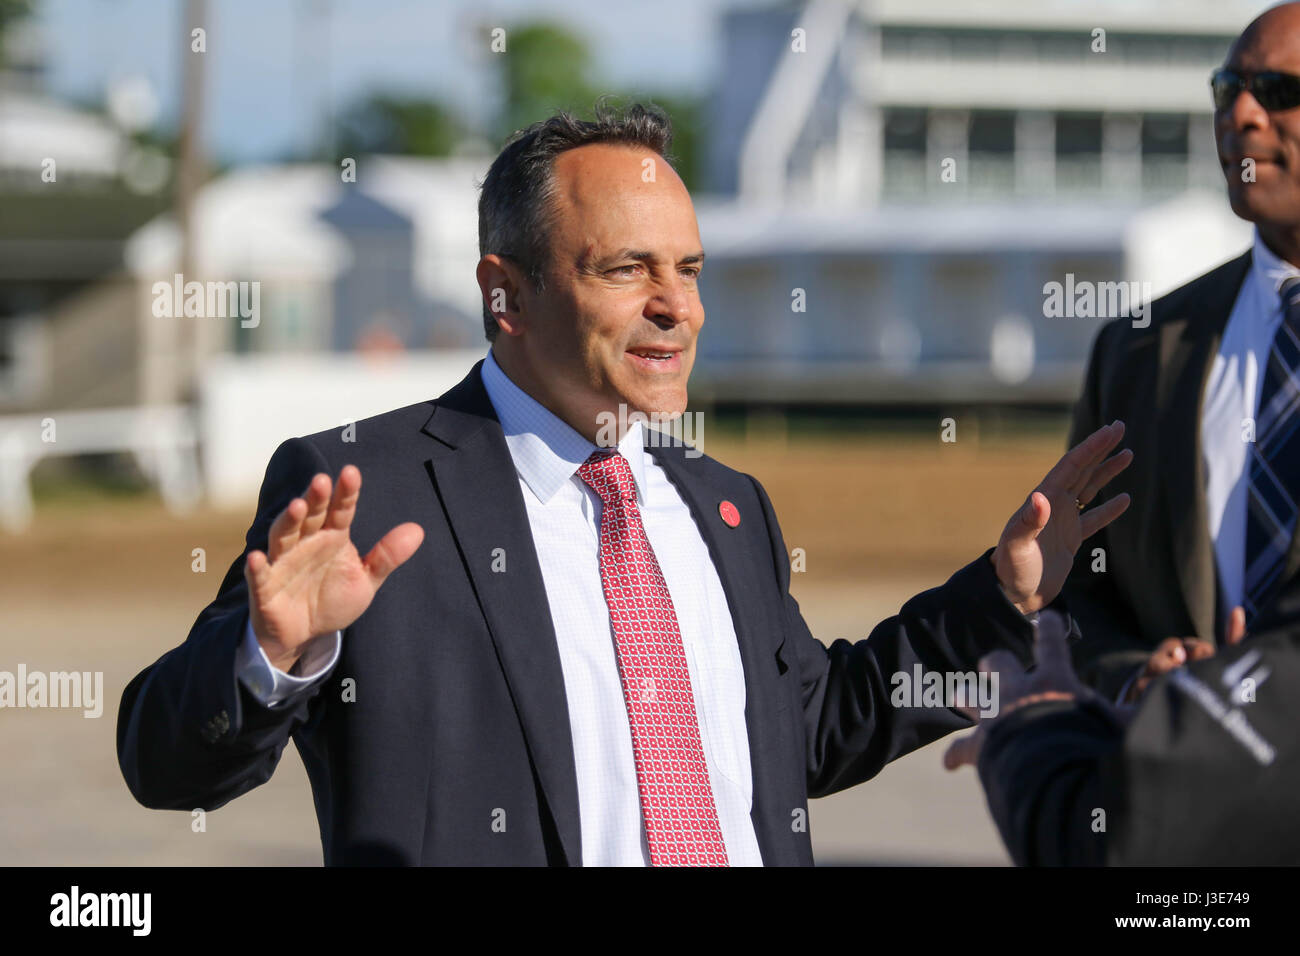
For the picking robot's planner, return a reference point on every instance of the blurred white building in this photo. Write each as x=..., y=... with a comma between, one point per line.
x=921, y=169
x=366, y=301
x=73, y=182
x=382, y=263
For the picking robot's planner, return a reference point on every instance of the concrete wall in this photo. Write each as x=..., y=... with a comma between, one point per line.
x=250, y=404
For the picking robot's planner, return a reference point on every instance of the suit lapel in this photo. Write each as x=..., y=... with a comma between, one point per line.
x=731, y=550
x=1188, y=343
x=476, y=479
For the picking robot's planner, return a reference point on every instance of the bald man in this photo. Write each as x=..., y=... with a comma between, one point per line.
x=1207, y=391
x=1203, y=770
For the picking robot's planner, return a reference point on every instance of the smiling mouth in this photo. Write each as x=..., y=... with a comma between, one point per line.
x=656, y=360
x=652, y=354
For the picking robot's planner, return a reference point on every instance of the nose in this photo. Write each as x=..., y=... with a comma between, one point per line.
x=672, y=302
x=1245, y=113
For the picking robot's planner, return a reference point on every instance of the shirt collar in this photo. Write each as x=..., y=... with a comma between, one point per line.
x=1270, y=270
x=545, y=449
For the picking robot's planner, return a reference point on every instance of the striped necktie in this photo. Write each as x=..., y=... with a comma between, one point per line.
x=1274, y=461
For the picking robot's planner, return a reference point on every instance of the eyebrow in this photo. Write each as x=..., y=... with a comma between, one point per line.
x=644, y=255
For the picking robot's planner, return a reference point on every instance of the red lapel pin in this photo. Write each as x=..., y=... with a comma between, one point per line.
x=729, y=514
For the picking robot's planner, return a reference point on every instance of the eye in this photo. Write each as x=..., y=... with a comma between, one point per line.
x=692, y=272
x=622, y=271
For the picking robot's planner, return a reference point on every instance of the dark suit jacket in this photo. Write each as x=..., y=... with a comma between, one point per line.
x=1177, y=786
x=460, y=708
x=1161, y=578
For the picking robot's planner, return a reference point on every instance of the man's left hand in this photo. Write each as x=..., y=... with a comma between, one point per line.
x=1037, y=547
x=1052, y=678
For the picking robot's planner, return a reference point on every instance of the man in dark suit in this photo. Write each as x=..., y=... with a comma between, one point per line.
x=1206, y=390
x=1202, y=768
x=1201, y=772
x=580, y=654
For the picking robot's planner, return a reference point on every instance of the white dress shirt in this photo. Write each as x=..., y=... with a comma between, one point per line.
x=1231, y=397
x=564, y=517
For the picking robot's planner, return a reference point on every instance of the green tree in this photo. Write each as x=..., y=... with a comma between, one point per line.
x=546, y=66
x=11, y=11
x=400, y=125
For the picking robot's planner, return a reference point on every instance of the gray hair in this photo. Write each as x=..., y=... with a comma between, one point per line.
x=516, y=208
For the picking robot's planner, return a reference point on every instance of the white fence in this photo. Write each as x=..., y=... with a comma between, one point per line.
x=162, y=438
x=248, y=405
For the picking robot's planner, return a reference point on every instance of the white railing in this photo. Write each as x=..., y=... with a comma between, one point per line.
x=162, y=438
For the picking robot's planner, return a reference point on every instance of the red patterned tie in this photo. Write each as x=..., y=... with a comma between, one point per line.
x=681, y=820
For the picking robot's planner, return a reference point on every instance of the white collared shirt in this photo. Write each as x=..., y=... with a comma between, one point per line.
x=1231, y=400
x=564, y=517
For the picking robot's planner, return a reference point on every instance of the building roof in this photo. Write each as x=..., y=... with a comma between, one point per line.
x=275, y=221
x=34, y=127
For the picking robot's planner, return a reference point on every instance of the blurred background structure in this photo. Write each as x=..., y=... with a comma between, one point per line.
x=1074, y=132
x=885, y=190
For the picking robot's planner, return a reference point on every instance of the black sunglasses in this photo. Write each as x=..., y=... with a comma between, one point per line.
x=1273, y=90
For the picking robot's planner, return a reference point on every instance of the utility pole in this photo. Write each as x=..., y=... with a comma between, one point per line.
x=192, y=335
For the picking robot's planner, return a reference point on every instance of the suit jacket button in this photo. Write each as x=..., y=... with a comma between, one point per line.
x=216, y=726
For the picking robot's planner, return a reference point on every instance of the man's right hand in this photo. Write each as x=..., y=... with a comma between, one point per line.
x=1173, y=652
x=313, y=582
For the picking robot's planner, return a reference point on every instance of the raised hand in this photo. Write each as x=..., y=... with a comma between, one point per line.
x=313, y=581
x=1038, y=544
x=1051, y=678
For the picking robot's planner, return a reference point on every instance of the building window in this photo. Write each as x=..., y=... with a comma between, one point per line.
x=905, y=131
x=1078, y=133
x=1164, y=135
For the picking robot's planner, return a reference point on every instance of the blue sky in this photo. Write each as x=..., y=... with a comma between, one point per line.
x=274, y=66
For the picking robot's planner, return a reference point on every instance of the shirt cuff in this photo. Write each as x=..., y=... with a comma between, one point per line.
x=268, y=684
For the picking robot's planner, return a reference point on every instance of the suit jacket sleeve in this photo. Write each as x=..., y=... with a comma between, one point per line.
x=1112, y=646
x=1041, y=766
x=851, y=728
x=189, y=733
x=1200, y=776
